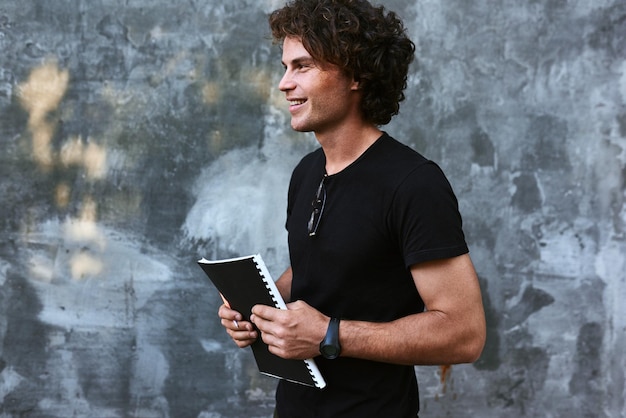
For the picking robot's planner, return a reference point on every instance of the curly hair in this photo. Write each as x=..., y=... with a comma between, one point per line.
x=363, y=40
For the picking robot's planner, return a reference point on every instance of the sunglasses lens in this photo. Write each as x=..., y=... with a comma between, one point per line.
x=318, y=208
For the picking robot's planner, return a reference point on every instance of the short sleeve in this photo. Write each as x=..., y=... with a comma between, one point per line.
x=426, y=217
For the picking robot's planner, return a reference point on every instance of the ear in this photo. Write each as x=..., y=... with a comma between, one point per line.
x=356, y=85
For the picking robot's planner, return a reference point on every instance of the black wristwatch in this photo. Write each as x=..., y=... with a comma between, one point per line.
x=330, y=347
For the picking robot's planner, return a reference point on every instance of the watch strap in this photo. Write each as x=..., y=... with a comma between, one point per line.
x=330, y=347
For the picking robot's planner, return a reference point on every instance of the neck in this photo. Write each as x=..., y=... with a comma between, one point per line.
x=344, y=146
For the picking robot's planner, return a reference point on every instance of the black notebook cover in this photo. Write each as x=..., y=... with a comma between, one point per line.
x=245, y=282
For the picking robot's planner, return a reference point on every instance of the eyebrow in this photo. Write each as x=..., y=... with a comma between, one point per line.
x=300, y=60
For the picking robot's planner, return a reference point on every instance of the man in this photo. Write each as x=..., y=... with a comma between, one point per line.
x=380, y=277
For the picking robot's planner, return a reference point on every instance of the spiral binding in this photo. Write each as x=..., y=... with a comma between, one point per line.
x=316, y=377
x=313, y=375
x=269, y=288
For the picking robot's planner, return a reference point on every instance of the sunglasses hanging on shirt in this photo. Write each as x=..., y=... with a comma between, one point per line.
x=318, y=208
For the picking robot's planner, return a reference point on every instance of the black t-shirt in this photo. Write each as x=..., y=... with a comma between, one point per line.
x=388, y=210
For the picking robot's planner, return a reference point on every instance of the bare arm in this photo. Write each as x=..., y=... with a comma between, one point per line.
x=284, y=284
x=452, y=330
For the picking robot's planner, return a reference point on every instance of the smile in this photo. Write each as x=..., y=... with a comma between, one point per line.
x=296, y=102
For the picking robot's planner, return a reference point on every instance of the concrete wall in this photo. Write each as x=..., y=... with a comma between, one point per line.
x=137, y=136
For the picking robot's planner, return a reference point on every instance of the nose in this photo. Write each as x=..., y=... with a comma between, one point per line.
x=286, y=82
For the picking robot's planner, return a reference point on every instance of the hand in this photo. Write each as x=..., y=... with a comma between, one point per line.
x=294, y=333
x=242, y=332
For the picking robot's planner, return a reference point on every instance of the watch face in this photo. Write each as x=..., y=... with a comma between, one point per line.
x=330, y=351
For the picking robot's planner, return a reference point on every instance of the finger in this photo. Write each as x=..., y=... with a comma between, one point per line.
x=243, y=338
x=244, y=343
x=266, y=326
x=232, y=324
x=265, y=311
x=267, y=318
x=226, y=313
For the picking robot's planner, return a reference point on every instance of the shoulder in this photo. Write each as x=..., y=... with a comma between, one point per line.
x=403, y=163
x=393, y=155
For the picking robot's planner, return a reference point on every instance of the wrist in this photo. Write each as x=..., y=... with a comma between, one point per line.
x=329, y=346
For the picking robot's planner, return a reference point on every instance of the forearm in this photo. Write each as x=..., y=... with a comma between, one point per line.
x=451, y=330
x=422, y=339
x=284, y=284
x=428, y=338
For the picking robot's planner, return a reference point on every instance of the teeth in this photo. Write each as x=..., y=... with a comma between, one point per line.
x=296, y=102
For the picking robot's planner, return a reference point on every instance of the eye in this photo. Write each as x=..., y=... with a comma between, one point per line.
x=304, y=66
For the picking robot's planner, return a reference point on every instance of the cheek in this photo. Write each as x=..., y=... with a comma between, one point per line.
x=335, y=103
x=333, y=94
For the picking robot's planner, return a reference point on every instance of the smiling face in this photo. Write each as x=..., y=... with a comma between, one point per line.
x=321, y=97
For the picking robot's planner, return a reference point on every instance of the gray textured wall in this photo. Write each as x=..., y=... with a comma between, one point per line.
x=139, y=135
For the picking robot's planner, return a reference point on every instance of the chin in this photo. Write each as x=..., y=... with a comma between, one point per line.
x=300, y=128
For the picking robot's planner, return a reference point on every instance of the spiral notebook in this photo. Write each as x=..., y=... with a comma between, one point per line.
x=245, y=282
